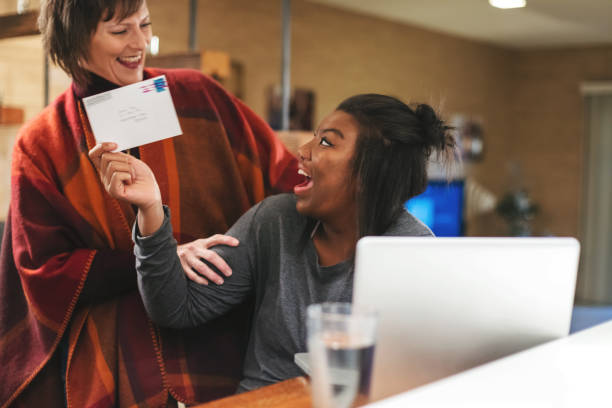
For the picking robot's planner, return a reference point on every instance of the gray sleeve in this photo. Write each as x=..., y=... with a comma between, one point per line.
x=172, y=300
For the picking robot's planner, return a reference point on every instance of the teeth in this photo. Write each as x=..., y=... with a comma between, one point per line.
x=303, y=173
x=130, y=59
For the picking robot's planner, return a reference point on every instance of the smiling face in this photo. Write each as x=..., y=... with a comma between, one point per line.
x=327, y=192
x=118, y=48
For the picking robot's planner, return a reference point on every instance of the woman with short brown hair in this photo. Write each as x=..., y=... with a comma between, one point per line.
x=73, y=330
x=67, y=29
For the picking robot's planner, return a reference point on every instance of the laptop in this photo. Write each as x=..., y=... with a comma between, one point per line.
x=449, y=304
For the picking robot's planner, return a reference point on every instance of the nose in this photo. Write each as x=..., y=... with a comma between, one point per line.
x=140, y=39
x=304, y=151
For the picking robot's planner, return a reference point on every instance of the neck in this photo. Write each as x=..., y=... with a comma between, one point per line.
x=335, y=241
x=96, y=85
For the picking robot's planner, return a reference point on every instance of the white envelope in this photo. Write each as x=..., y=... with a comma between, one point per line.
x=133, y=115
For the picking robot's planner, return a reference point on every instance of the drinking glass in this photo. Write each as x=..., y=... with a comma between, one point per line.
x=341, y=340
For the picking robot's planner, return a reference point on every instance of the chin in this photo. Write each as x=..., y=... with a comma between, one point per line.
x=129, y=77
x=302, y=208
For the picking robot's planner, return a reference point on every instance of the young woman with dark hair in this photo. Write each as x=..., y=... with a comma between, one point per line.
x=391, y=155
x=365, y=160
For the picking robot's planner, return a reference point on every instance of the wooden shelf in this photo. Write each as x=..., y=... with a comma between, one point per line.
x=17, y=25
x=11, y=116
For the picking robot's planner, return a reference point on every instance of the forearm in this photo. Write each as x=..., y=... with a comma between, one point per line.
x=171, y=299
x=160, y=280
x=150, y=218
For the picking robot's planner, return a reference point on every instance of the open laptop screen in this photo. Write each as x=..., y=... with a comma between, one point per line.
x=449, y=304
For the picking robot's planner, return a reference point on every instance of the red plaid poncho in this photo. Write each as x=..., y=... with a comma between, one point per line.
x=63, y=229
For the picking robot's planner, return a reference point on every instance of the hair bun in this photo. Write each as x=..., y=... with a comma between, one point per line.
x=435, y=131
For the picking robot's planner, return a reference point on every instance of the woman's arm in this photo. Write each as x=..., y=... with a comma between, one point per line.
x=127, y=178
x=170, y=298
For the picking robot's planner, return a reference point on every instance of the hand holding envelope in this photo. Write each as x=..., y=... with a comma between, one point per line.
x=125, y=177
x=133, y=115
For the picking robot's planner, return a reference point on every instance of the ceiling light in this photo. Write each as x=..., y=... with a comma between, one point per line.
x=508, y=4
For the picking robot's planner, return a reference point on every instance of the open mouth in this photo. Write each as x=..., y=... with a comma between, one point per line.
x=305, y=184
x=131, y=62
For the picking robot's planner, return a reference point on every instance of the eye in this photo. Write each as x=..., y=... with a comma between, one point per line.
x=118, y=32
x=144, y=25
x=325, y=142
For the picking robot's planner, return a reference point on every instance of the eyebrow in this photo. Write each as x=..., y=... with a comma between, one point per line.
x=121, y=22
x=333, y=130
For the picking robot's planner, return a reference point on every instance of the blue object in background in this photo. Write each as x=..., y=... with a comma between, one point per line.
x=440, y=207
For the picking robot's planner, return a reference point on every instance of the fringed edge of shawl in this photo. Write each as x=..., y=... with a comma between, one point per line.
x=60, y=334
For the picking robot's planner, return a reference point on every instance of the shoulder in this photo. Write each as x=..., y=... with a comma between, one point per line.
x=274, y=214
x=276, y=207
x=48, y=147
x=51, y=116
x=284, y=202
x=271, y=219
x=45, y=132
x=408, y=225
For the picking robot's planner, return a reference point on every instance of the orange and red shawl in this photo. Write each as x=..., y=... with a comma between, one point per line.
x=63, y=229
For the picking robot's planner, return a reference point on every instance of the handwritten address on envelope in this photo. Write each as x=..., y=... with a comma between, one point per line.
x=133, y=115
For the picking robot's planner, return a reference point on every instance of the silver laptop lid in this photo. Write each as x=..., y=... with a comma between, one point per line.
x=449, y=304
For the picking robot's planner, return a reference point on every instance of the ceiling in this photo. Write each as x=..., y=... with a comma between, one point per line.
x=542, y=24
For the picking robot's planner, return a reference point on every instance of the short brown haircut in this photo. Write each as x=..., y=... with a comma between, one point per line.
x=68, y=25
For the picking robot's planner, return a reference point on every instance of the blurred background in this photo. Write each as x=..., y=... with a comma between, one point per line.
x=529, y=91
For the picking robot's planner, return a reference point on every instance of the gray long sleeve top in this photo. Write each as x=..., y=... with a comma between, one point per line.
x=276, y=262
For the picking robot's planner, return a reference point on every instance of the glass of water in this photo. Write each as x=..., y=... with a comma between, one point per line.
x=341, y=340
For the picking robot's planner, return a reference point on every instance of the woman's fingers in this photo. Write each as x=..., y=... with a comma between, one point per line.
x=95, y=154
x=125, y=177
x=219, y=239
x=117, y=182
x=203, y=269
x=192, y=275
x=194, y=254
x=108, y=159
x=200, y=249
x=118, y=167
x=215, y=259
x=116, y=176
x=114, y=168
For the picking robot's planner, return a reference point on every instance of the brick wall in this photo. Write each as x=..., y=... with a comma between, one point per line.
x=528, y=101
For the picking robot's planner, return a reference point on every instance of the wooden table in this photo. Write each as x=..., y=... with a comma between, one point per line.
x=293, y=393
